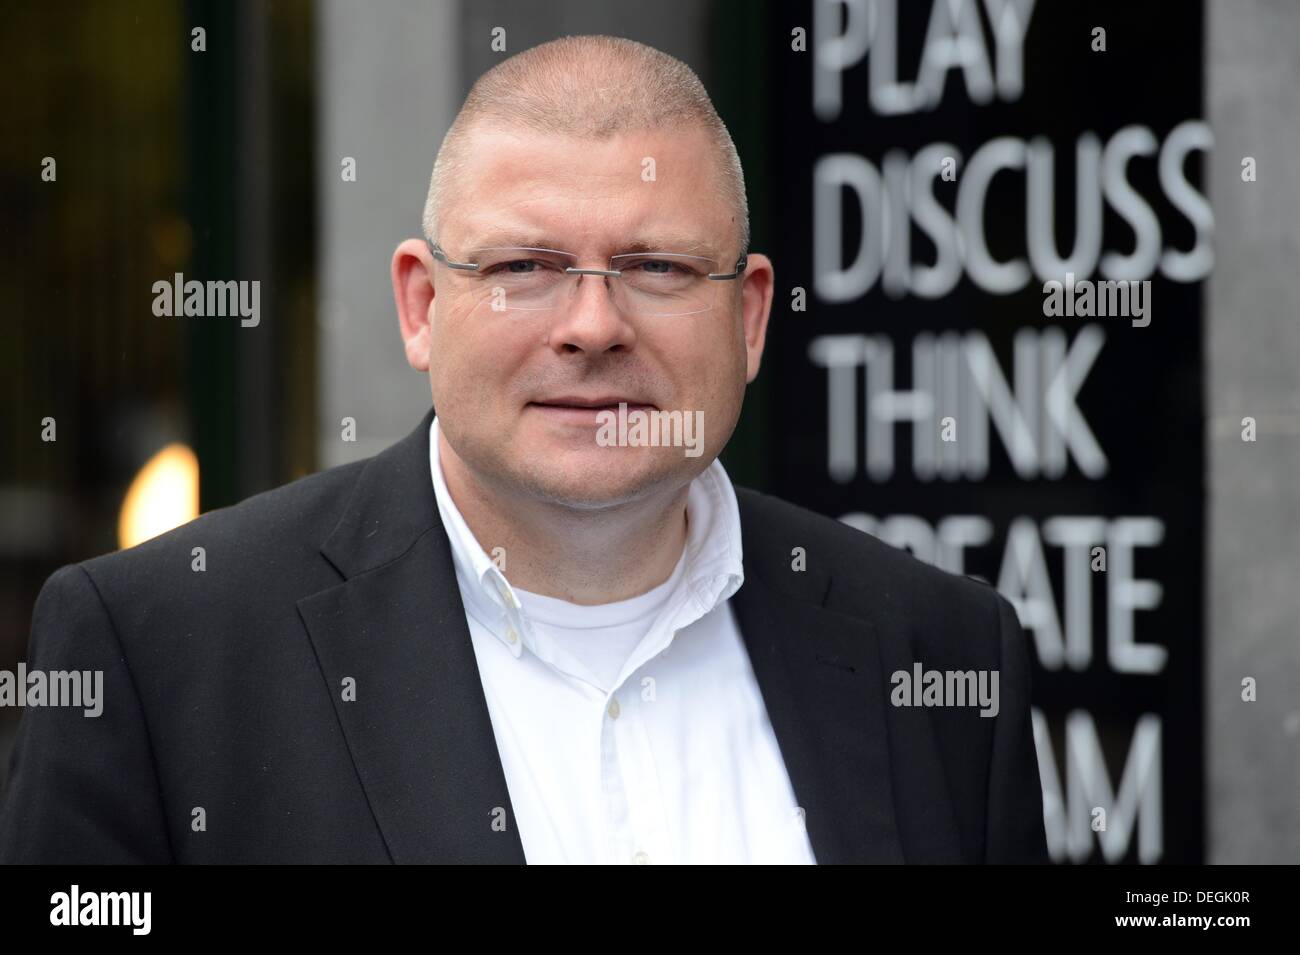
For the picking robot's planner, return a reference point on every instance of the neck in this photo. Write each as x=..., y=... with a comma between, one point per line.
x=584, y=557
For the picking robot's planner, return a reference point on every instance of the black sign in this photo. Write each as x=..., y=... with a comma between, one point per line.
x=986, y=348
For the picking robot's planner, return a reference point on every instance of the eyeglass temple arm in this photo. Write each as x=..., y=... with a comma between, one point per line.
x=441, y=256
x=741, y=264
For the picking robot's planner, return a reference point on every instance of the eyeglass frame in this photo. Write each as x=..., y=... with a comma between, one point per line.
x=741, y=263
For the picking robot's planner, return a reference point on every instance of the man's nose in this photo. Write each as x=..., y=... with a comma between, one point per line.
x=588, y=319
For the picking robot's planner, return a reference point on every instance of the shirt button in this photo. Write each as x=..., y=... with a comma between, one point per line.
x=511, y=635
x=613, y=709
x=641, y=859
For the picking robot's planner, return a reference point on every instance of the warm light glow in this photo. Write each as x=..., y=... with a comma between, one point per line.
x=165, y=494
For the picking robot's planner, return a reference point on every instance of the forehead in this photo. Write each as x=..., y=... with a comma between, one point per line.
x=588, y=195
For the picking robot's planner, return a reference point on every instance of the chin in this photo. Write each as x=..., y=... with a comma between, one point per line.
x=605, y=477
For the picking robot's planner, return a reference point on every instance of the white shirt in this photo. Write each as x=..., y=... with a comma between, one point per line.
x=634, y=731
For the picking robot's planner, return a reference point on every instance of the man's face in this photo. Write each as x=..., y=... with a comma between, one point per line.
x=518, y=392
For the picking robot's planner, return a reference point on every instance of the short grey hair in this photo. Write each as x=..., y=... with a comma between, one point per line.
x=589, y=87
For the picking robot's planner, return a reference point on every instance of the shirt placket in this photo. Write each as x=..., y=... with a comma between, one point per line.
x=639, y=822
x=644, y=834
x=618, y=810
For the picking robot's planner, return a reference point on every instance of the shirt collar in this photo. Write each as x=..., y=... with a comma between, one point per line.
x=713, y=559
x=484, y=588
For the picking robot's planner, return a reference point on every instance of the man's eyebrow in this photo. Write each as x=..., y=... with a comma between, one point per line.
x=511, y=240
x=676, y=244
x=534, y=240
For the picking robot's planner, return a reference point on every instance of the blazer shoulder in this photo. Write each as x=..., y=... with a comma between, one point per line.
x=268, y=529
x=861, y=575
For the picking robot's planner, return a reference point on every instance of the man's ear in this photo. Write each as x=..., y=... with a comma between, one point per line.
x=413, y=292
x=755, y=308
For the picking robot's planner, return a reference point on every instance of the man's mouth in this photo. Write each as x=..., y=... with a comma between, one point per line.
x=584, y=412
x=602, y=403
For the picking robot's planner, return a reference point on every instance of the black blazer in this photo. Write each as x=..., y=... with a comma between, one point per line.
x=223, y=692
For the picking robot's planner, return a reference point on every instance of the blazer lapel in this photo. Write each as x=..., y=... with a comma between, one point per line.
x=822, y=681
x=418, y=730
x=820, y=676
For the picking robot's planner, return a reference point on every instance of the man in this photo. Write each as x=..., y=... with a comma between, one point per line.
x=544, y=627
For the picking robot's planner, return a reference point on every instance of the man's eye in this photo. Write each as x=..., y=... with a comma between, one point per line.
x=518, y=265
x=660, y=267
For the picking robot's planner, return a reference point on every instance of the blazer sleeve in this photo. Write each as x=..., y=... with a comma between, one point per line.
x=1014, y=827
x=81, y=789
